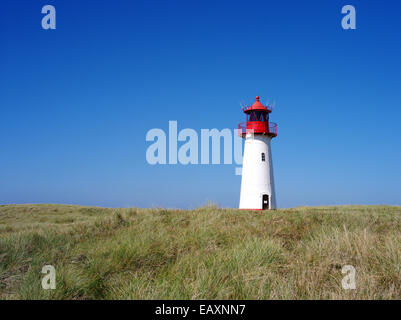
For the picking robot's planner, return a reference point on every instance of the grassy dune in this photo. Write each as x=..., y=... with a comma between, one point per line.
x=208, y=253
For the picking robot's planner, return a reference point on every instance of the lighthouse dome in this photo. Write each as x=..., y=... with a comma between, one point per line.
x=257, y=105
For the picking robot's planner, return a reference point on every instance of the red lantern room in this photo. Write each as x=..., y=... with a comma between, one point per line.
x=257, y=120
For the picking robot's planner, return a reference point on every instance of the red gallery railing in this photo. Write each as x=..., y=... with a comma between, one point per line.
x=264, y=127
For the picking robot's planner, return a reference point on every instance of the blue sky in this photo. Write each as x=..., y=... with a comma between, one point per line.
x=76, y=102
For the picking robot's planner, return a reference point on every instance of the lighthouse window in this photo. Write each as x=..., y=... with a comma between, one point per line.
x=263, y=156
x=265, y=117
x=256, y=116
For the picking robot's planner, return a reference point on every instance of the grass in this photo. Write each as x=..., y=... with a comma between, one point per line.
x=207, y=253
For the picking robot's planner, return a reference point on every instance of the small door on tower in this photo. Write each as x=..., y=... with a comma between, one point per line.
x=265, y=202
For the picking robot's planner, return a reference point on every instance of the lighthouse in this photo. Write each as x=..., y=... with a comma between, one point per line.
x=257, y=185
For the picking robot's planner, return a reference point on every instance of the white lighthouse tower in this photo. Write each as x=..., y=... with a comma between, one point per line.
x=257, y=185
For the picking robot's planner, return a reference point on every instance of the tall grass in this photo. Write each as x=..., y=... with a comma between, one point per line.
x=207, y=253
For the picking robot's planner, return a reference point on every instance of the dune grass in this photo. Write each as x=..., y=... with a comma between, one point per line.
x=207, y=253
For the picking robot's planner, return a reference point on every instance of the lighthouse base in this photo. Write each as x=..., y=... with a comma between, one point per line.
x=257, y=185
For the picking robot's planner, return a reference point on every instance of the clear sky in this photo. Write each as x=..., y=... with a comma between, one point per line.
x=76, y=102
